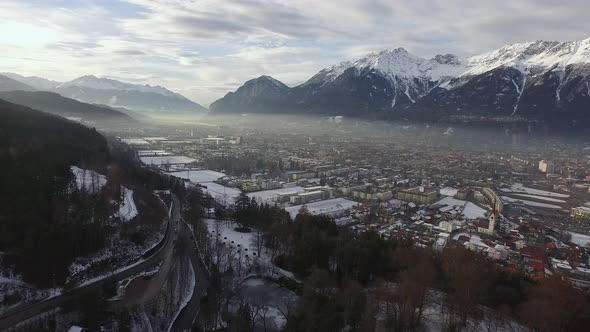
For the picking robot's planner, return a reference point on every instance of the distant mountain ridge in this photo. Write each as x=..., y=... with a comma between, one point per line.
x=10, y=84
x=36, y=82
x=532, y=81
x=95, y=90
x=56, y=104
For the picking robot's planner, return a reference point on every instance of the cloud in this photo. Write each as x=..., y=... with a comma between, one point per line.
x=130, y=52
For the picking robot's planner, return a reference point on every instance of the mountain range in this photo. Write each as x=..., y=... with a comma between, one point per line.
x=51, y=102
x=538, y=81
x=113, y=93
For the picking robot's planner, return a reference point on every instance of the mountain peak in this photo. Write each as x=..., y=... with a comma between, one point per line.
x=447, y=59
x=265, y=79
x=398, y=50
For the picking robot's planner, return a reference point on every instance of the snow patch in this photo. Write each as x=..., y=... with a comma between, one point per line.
x=519, y=90
x=580, y=239
x=127, y=209
x=407, y=92
x=88, y=180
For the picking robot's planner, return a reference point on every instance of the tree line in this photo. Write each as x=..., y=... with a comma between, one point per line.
x=361, y=282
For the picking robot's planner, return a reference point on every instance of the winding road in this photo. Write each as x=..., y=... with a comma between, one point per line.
x=188, y=314
x=25, y=312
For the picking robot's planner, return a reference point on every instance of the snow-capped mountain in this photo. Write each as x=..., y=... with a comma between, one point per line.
x=536, y=80
x=111, y=92
x=531, y=57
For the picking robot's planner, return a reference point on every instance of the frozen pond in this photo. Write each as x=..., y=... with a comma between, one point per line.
x=268, y=297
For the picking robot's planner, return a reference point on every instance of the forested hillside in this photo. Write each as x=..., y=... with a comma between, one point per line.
x=43, y=225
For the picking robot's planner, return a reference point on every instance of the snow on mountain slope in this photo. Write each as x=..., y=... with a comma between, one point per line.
x=88, y=180
x=397, y=64
x=400, y=64
x=93, y=82
x=93, y=182
x=536, y=55
x=127, y=208
x=539, y=81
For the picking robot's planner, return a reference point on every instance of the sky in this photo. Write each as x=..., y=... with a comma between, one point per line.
x=204, y=49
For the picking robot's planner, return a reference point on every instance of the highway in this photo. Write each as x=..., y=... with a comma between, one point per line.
x=22, y=313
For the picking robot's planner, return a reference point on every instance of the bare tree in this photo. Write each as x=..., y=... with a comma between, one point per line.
x=287, y=307
x=258, y=241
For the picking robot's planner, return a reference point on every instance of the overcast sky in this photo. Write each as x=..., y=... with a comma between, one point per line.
x=204, y=49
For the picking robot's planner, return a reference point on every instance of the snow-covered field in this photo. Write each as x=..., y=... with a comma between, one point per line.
x=332, y=207
x=134, y=141
x=230, y=236
x=222, y=194
x=88, y=180
x=530, y=203
x=268, y=196
x=127, y=208
x=198, y=176
x=167, y=160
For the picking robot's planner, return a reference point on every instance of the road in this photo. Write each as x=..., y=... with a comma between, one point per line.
x=187, y=316
x=147, y=290
x=25, y=312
